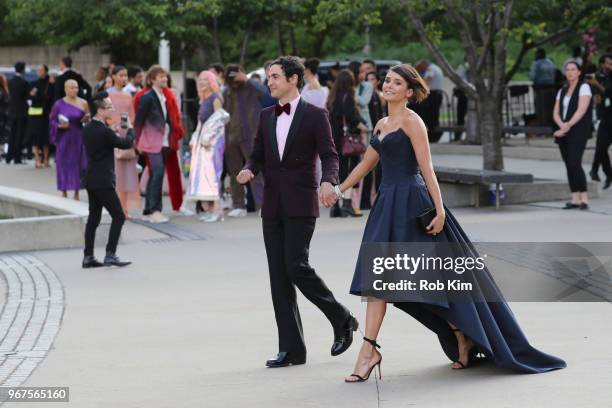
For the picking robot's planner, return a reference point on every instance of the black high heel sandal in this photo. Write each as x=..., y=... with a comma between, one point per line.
x=471, y=353
x=377, y=364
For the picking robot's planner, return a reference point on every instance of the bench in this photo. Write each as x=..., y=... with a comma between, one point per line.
x=539, y=130
x=477, y=177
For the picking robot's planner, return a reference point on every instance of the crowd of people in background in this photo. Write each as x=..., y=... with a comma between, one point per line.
x=198, y=170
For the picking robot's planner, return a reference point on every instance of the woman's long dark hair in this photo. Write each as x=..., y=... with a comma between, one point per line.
x=344, y=84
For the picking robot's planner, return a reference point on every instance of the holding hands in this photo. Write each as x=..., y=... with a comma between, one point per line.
x=327, y=195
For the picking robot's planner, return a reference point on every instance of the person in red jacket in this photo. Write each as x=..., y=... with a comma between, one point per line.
x=158, y=134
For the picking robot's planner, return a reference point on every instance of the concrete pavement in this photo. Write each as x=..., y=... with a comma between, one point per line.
x=190, y=323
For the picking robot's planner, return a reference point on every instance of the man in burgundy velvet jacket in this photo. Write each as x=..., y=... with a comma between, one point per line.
x=289, y=138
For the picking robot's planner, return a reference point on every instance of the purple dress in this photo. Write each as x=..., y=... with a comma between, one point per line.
x=70, y=157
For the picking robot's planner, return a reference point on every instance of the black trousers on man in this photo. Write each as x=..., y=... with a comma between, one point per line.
x=287, y=241
x=98, y=199
x=462, y=108
x=16, y=139
x=604, y=140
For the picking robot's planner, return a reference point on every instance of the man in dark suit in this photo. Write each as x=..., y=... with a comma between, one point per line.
x=99, y=180
x=68, y=73
x=290, y=135
x=17, y=113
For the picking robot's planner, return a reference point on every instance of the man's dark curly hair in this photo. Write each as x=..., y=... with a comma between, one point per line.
x=291, y=66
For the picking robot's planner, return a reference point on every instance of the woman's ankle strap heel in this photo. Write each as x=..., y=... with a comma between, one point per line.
x=372, y=342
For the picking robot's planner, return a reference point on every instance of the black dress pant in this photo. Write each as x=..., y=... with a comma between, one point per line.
x=287, y=241
x=462, y=108
x=98, y=199
x=16, y=139
x=572, y=149
x=604, y=140
x=346, y=165
x=373, y=176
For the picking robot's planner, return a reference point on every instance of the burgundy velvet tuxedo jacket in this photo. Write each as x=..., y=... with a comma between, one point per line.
x=290, y=183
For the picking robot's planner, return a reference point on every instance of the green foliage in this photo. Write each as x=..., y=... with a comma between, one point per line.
x=330, y=29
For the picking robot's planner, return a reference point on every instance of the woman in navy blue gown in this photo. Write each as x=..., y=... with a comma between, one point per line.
x=409, y=187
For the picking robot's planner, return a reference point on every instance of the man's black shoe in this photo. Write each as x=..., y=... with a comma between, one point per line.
x=113, y=260
x=343, y=337
x=90, y=261
x=607, y=183
x=594, y=175
x=286, y=359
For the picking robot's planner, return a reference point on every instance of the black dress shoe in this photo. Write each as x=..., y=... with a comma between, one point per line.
x=571, y=206
x=594, y=175
x=347, y=208
x=286, y=359
x=343, y=337
x=583, y=206
x=113, y=260
x=607, y=183
x=90, y=261
x=336, y=212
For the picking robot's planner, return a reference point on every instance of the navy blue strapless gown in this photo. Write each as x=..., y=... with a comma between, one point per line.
x=492, y=327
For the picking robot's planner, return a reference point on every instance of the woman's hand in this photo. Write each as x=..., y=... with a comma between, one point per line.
x=566, y=127
x=63, y=125
x=437, y=224
x=559, y=133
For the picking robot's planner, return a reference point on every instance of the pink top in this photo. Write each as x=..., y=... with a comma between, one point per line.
x=283, y=122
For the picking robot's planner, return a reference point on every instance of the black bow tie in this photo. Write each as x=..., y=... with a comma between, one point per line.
x=284, y=108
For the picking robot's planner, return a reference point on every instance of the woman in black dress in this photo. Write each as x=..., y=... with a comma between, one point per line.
x=37, y=131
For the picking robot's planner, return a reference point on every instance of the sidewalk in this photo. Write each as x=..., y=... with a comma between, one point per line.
x=190, y=323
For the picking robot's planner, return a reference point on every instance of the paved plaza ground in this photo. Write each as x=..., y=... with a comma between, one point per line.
x=190, y=323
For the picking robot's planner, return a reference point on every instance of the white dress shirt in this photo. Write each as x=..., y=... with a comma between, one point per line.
x=283, y=123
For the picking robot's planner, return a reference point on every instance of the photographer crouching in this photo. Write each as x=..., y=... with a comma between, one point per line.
x=99, y=179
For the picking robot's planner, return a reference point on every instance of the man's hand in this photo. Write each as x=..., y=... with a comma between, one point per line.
x=327, y=195
x=245, y=176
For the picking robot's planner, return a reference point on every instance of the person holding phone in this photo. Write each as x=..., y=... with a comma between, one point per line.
x=100, y=143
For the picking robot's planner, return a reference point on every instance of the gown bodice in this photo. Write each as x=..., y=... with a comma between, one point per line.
x=397, y=158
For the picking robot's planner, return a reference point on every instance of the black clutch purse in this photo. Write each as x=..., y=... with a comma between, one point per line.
x=426, y=218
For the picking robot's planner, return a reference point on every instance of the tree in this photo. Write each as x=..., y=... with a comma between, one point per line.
x=485, y=28
x=123, y=27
